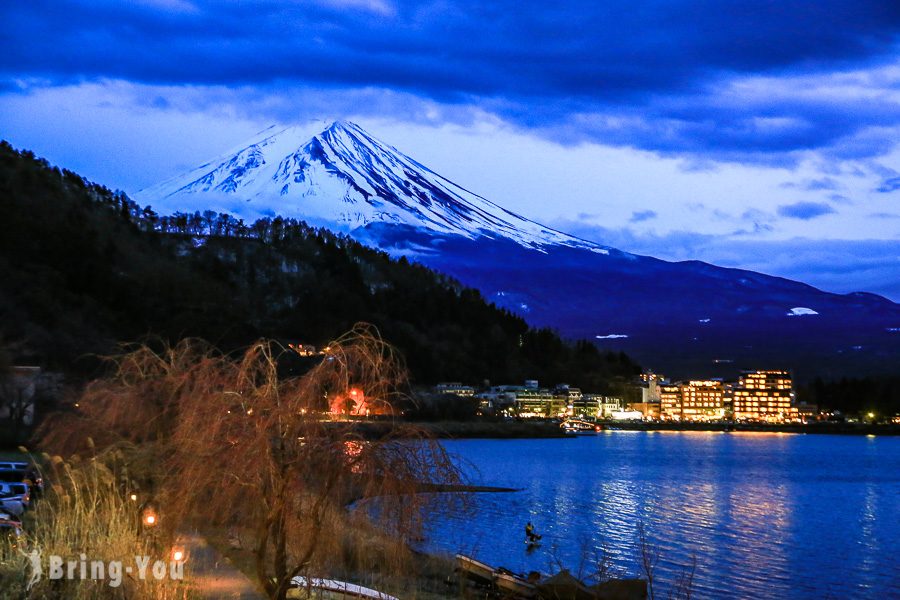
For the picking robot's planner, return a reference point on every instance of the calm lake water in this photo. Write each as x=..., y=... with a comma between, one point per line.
x=766, y=515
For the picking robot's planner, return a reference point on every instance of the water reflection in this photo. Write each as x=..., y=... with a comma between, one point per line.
x=765, y=515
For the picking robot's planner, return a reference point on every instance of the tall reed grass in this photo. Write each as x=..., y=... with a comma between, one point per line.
x=87, y=517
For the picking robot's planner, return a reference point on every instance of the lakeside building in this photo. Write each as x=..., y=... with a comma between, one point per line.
x=694, y=400
x=455, y=388
x=528, y=400
x=603, y=405
x=532, y=401
x=626, y=415
x=670, y=401
x=538, y=402
x=650, y=387
x=763, y=396
x=649, y=410
x=499, y=399
x=804, y=412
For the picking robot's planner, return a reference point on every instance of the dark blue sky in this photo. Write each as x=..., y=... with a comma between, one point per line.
x=535, y=64
x=796, y=102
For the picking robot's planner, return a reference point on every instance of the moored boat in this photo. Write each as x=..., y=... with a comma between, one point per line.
x=331, y=589
x=580, y=427
x=474, y=569
x=513, y=585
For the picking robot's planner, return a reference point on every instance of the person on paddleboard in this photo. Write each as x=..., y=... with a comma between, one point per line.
x=531, y=535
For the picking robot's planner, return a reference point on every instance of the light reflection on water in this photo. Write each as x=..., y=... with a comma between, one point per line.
x=765, y=515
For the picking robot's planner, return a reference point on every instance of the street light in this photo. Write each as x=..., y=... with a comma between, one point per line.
x=179, y=554
x=150, y=518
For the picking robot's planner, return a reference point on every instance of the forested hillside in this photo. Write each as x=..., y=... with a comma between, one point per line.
x=83, y=267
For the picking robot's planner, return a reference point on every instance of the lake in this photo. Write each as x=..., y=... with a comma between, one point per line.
x=765, y=515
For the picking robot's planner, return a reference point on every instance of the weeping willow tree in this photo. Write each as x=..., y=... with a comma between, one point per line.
x=220, y=440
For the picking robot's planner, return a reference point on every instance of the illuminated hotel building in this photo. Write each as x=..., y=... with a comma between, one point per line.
x=763, y=396
x=670, y=401
x=696, y=400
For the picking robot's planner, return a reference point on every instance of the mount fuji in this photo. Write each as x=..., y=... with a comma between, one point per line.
x=685, y=318
x=343, y=178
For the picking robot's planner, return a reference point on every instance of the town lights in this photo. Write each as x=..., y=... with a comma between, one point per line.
x=133, y=497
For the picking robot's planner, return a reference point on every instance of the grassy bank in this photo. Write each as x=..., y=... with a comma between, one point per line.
x=85, y=518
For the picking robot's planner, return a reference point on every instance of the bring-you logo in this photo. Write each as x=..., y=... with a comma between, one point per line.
x=143, y=567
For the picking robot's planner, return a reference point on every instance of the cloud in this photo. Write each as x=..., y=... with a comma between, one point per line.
x=813, y=185
x=670, y=78
x=805, y=210
x=642, y=215
x=889, y=185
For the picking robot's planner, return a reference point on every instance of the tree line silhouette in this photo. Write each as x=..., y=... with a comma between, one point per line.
x=85, y=267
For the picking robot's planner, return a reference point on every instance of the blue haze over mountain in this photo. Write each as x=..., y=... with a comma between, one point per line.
x=683, y=318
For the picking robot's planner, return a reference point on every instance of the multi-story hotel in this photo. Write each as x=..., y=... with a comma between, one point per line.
x=696, y=400
x=670, y=401
x=763, y=396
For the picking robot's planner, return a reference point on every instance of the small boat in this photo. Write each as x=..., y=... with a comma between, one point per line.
x=331, y=589
x=474, y=569
x=513, y=585
x=580, y=427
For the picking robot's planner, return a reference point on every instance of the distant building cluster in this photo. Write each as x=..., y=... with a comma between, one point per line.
x=756, y=396
x=760, y=396
x=533, y=401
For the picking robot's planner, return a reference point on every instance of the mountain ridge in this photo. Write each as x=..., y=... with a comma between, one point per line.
x=684, y=317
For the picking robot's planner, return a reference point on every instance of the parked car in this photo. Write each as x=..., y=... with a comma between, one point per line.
x=12, y=505
x=11, y=528
x=28, y=475
x=14, y=466
x=20, y=491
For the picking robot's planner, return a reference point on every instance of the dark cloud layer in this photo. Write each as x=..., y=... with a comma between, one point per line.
x=805, y=210
x=642, y=215
x=654, y=76
x=889, y=185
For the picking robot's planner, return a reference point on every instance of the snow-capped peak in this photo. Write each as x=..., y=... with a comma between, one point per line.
x=343, y=178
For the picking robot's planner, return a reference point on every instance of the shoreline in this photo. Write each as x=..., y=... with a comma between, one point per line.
x=470, y=429
x=811, y=428
x=545, y=430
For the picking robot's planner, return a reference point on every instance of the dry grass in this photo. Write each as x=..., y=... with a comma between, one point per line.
x=85, y=514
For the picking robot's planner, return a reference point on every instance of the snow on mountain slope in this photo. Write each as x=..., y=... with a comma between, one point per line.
x=343, y=178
